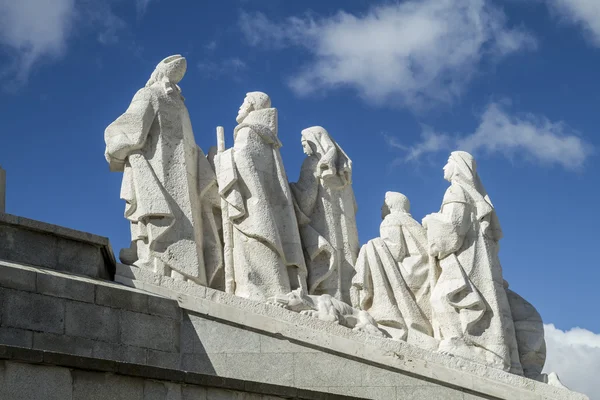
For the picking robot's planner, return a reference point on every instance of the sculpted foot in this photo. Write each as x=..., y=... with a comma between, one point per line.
x=310, y=313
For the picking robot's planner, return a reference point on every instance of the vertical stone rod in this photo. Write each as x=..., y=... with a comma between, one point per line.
x=227, y=227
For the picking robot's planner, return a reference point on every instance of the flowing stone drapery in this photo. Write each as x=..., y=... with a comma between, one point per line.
x=326, y=210
x=471, y=314
x=168, y=184
x=529, y=329
x=266, y=250
x=392, y=279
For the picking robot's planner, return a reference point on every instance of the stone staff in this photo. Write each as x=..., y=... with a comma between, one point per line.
x=227, y=226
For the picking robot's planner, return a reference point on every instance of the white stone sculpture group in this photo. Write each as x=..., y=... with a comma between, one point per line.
x=233, y=222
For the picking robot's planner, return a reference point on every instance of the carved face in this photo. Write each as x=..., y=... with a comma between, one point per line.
x=449, y=170
x=245, y=109
x=174, y=68
x=306, y=147
x=385, y=210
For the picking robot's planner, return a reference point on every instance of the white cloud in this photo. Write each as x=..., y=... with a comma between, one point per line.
x=499, y=132
x=412, y=53
x=575, y=356
x=214, y=70
x=585, y=13
x=34, y=29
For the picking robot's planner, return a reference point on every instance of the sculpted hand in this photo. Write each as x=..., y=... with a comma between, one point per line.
x=433, y=250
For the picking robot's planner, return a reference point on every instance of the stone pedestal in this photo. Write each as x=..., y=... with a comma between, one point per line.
x=64, y=335
x=27, y=241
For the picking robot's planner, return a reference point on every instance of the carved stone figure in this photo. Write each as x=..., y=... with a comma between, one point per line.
x=392, y=279
x=261, y=230
x=471, y=314
x=326, y=210
x=168, y=185
x=529, y=330
x=327, y=308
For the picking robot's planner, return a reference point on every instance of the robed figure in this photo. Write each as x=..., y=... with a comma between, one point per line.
x=262, y=243
x=326, y=210
x=393, y=277
x=168, y=185
x=471, y=312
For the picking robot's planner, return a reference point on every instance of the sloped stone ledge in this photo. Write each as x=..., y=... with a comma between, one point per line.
x=154, y=375
x=229, y=337
x=385, y=353
x=28, y=241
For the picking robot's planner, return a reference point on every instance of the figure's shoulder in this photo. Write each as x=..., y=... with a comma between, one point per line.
x=455, y=194
x=146, y=94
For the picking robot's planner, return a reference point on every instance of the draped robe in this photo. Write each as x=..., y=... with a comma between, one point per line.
x=471, y=313
x=393, y=278
x=326, y=210
x=265, y=242
x=168, y=186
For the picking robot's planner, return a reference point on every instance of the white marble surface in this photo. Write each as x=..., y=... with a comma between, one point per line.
x=168, y=185
x=393, y=280
x=397, y=358
x=326, y=211
x=471, y=313
x=232, y=222
x=265, y=241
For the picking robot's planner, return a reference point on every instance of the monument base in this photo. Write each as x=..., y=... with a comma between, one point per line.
x=69, y=336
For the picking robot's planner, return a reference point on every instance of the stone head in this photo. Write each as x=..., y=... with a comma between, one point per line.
x=395, y=202
x=171, y=70
x=253, y=101
x=460, y=163
x=311, y=137
x=306, y=147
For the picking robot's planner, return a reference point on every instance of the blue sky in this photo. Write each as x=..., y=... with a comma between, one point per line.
x=398, y=84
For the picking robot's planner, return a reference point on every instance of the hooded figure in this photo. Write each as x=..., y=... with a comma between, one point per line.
x=471, y=314
x=168, y=185
x=267, y=257
x=326, y=210
x=392, y=279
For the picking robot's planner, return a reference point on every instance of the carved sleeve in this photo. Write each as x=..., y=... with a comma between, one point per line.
x=447, y=229
x=129, y=132
x=392, y=235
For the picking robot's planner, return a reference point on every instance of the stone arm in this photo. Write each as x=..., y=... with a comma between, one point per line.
x=306, y=190
x=392, y=235
x=129, y=132
x=447, y=229
x=327, y=162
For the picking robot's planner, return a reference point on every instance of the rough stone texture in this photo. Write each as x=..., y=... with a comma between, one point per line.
x=16, y=337
x=67, y=288
x=63, y=344
x=92, y=322
x=32, y=382
x=94, y=386
x=224, y=336
x=326, y=211
x=21, y=380
x=33, y=311
x=149, y=331
x=168, y=184
x=469, y=304
x=392, y=280
x=263, y=250
x=37, y=243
